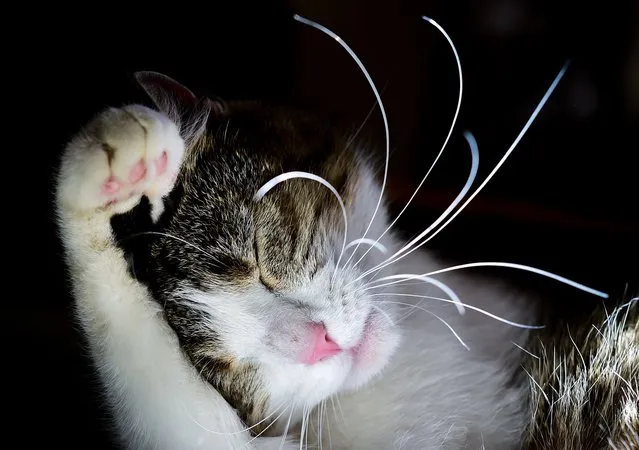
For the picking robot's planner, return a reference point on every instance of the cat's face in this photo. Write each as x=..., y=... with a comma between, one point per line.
x=251, y=286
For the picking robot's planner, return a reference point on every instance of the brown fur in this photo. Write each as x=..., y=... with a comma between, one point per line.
x=585, y=383
x=277, y=240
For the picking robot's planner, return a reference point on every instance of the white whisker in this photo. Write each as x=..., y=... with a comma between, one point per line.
x=341, y=424
x=288, y=424
x=319, y=424
x=302, y=427
x=410, y=312
x=503, y=264
x=268, y=426
x=447, y=290
x=384, y=313
x=328, y=426
x=308, y=420
x=282, y=406
x=531, y=119
x=370, y=242
x=436, y=317
x=450, y=131
x=508, y=152
x=474, y=308
x=379, y=101
x=474, y=151
x=261, y=192
x=306, y=412
x=524, y=350
x=341, y=411
x=361, y=127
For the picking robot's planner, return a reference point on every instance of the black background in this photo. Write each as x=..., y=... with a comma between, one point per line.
x=565, y=201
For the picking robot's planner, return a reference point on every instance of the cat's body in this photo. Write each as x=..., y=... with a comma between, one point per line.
x=208, y=311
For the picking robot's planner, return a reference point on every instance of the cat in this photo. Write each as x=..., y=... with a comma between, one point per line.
x=218, y=318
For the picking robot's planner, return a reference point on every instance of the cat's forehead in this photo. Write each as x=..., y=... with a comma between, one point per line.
x=253, y=143
x=289, y=233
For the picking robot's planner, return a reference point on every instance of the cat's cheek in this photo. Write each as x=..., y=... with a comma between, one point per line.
x=373, y=354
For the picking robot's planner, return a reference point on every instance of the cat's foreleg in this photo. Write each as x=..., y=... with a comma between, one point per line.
x=157, y=397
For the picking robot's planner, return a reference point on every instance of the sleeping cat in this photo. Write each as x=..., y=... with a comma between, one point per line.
x=221, y=319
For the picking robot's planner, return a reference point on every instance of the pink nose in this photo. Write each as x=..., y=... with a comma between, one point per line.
x=322, y=346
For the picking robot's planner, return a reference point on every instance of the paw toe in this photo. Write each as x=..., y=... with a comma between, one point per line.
x=161, y=163
x=137, y=172
x=110, y=187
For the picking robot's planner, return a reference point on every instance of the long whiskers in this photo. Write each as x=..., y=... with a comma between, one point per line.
x=320, y=420
x=370, y=242
x=443, y=287
x=335, y=400
x=379, y=101
x=521, y=134
x=512, y=147
x=270, y=424
x=288, y=424
x=384, y=313
x=282, y=408
x=304, y=429
x=535, y=270
x=417, y=306
x=474, y=308
x=328, y=426
x=450, y=131
x=361, y=127
x=261, y=192
x=474, y=151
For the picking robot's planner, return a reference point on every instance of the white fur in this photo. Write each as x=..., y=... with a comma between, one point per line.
x=158, y=398
x=435, y=393
x=426, y=392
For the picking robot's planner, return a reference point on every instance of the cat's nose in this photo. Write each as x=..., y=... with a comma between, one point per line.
x=322, y=346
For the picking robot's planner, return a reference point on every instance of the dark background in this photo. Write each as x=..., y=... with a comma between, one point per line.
x=565, y=201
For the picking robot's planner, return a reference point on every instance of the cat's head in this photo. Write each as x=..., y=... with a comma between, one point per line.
x=251, y=285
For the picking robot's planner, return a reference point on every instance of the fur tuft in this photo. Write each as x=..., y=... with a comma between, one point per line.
x=585, y=383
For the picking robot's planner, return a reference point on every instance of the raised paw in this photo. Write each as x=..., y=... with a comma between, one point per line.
x=121, y=155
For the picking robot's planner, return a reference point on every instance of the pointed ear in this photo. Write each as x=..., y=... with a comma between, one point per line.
x=169, y=96
x=195, y=126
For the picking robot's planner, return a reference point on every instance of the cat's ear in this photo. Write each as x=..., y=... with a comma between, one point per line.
x=179, y=103
x=171, y=97
x=218, y=106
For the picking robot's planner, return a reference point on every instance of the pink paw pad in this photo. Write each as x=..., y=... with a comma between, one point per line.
x=137, y=172
x=110, y=186
x=161, y=163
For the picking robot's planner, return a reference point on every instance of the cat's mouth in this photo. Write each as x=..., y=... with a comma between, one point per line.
x=365, y=348
x=311, y=346
x=374, y=350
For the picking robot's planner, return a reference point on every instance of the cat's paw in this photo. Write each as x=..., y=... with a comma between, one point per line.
x=120, y=156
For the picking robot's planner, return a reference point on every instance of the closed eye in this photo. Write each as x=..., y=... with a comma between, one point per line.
x=269, y=285
x=266, y=284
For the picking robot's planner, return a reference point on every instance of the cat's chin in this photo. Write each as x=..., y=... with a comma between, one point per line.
x=375, y=350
